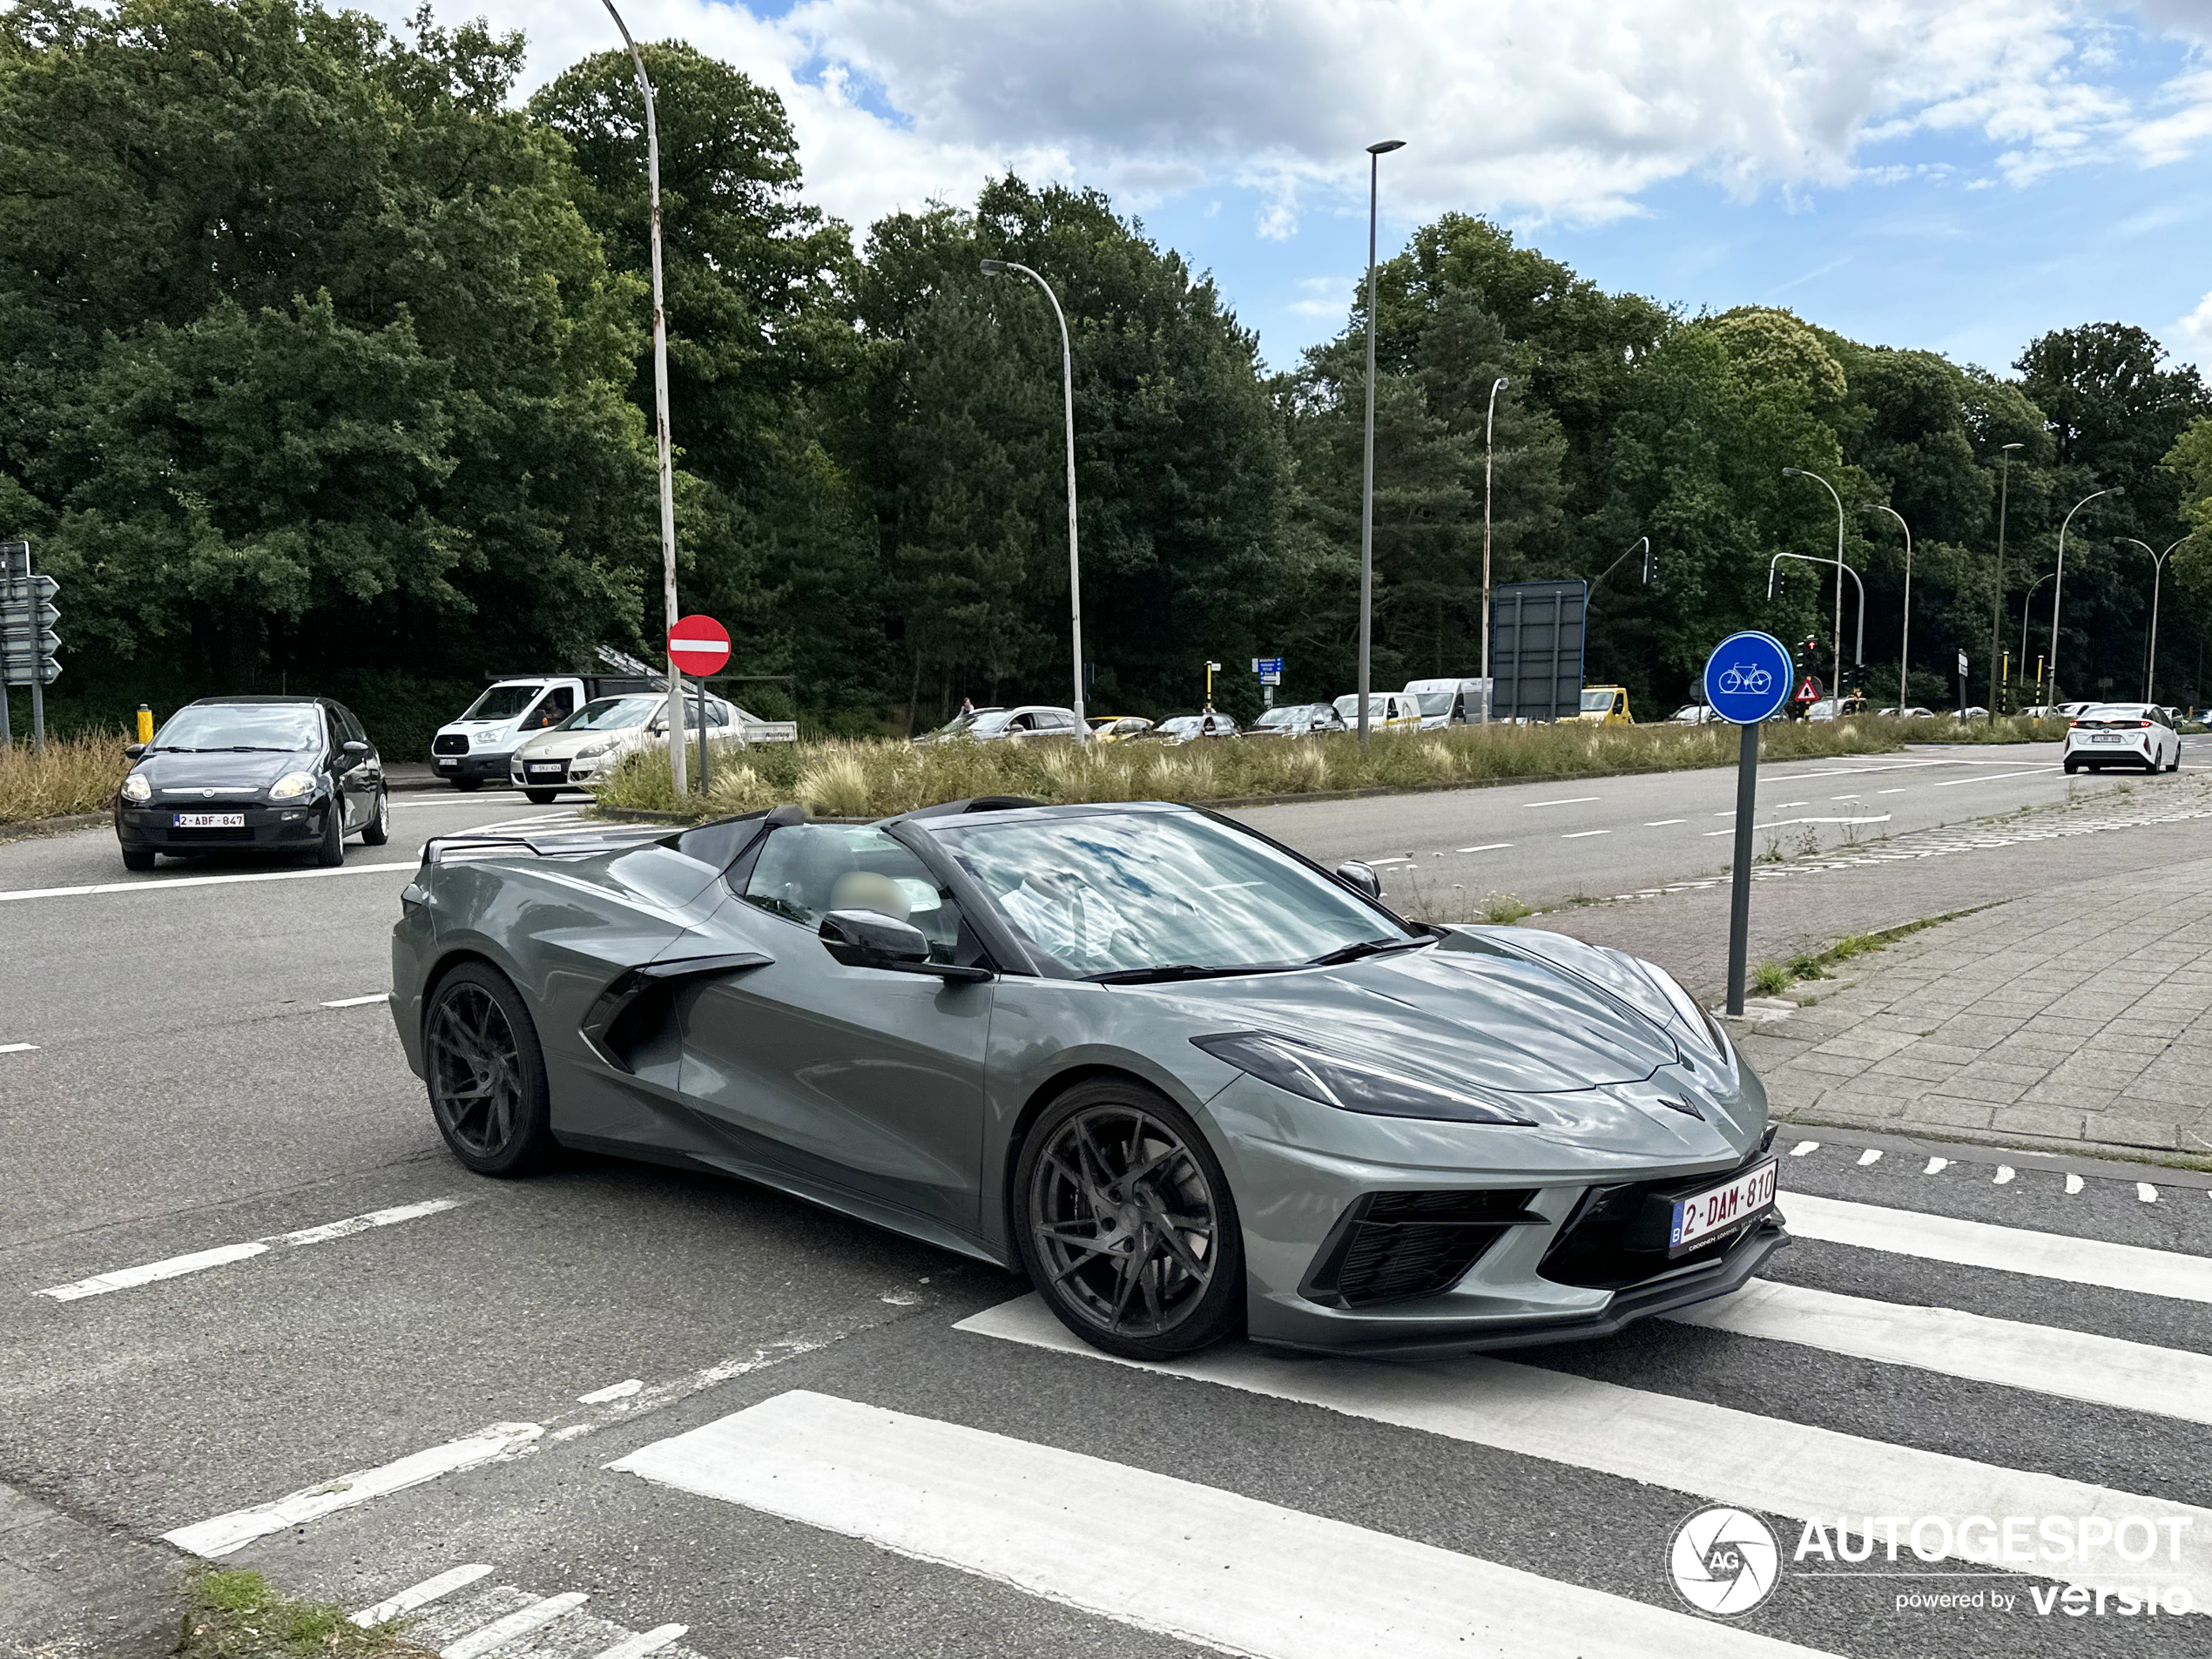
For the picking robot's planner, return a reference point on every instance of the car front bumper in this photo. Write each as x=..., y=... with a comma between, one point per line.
x=483, y=765
x=571, y=773
x=290, y=828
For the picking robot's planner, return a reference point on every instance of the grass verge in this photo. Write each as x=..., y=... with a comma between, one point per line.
x=1772, y=978
x=851, y=779
x=73, y=775
x=237, y=1614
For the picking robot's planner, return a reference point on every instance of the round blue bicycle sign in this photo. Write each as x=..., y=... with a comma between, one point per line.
x=1747, y=678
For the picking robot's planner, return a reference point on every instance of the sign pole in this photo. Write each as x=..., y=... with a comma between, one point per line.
x=1739, y=898
x=704, y=781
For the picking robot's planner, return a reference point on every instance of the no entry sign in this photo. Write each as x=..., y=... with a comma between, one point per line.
x=699, y=646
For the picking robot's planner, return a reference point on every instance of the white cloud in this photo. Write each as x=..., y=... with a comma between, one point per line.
x=2191, y=338
x=1538, y=109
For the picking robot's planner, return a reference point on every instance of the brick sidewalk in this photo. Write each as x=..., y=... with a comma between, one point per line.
x=2081, y=1015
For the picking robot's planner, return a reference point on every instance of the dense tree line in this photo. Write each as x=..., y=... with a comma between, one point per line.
x=326, y=363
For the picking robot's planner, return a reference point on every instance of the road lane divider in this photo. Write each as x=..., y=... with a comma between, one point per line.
x=1571, y=801
x=123, y=1279
x=170, y=884
x=517, y=1624
x=18, y=1047
x=1487, y=846
x=359, y=1002
x=1205, y=1566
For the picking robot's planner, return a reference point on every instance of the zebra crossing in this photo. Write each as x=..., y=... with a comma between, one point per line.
x=1909, y=1440
x=503, y=1621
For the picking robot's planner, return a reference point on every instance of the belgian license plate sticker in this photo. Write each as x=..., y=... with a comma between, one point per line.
x=2104, y=737
x=210, y=820
x=544, y=772
x=1703, y=1214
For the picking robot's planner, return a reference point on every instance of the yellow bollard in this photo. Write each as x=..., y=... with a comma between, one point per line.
x=146, y=724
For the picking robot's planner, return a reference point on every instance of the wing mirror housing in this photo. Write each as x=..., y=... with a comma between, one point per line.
x=870, y=939
x=353, y=748
x=1353, y=874
x=136, y=751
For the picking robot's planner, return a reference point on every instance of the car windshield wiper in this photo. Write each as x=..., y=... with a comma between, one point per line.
x=1185, y=970
x=1362, y=947
x=249, y=749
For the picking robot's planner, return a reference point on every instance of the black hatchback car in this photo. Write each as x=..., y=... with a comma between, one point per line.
x=253, y=773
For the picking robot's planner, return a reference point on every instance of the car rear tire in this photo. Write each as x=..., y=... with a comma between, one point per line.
x=1125, y=1223
x=2072, y=766
x=378, y=830
x=138, y=858
x=540, y=796
x=330, y=852
x=486, y=1073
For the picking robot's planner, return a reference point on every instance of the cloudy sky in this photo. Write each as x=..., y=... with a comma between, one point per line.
x=1913, y=173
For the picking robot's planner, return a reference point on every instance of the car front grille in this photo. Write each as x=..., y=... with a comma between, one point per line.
x=1616, y=1236
x=212, y=837
x=451, y=743
x=536, y=772
x=1392, y=1245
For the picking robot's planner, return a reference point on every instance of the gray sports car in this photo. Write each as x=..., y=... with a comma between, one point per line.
x=1187, y=1081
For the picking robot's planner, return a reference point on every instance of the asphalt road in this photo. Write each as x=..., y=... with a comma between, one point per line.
x=186, y=1094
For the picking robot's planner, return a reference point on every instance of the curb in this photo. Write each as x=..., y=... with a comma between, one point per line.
x=29, y=828
x=2108, y=1159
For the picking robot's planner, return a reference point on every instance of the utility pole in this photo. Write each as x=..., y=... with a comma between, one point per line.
x=1375, y=153
x=1489, y=428
x=1997, y=599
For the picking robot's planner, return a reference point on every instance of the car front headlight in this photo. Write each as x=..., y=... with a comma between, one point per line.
x=1349, y=1085
x=591, y=750
x=292, y=786
x=136, y=788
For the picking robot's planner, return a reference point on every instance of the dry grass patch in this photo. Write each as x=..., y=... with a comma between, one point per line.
x=73, y=775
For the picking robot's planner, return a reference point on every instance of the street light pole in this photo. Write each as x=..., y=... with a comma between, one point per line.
x=1905, y=643
x=2027, y=605
x=1375, y=153
x=1997, y=599
x=660, y=414
x=995, y=268
x=2057, y=584
x=2157, y=574
x=1799, y=472
x=1489, y=428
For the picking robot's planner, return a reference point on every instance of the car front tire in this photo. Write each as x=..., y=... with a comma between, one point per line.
x=1124, y=1222
x=486, y=1073
x=330, y=851
x=467, y=786
x=540, y=796
x=378, y=830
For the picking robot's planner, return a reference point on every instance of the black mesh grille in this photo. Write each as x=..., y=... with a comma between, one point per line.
x=451, y=743
x=213, y=837
x=1392, y=1245
x=1617, y=1236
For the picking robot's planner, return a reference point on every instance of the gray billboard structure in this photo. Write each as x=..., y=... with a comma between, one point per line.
x=1536, y=631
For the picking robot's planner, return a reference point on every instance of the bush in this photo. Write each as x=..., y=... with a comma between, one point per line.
x=78, y=774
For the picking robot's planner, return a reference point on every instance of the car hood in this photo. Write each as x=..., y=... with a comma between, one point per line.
x=223, y=771
x=561, y=745
x=1479, y=1016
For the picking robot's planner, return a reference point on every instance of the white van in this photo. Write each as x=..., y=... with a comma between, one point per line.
x=1449, y=701
x=1387, y=712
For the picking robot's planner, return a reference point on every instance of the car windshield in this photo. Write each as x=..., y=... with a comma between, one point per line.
x=981, y=723
x=286, y=726
x=1275, y=718
x=1596, y=702
x=1182, y=727
x=504, y=702
x=610, y=714
x=1687, y=711
x=1434, y=702
x=1122, y=893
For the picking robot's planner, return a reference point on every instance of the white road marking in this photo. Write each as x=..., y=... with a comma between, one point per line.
x=1715, y=1451
x=1889, y=791
x=643, y=1642
x=1576, y=835
x=1872, y=1155
x=417, y=1596
x=2072, y=1183
x=1206, y=1566
x=123, y=1279
x=221, y=1535
x=1784, y=805
x=613, y=1390
x=1571, y=801
x=359, y=1002
x=2035, y=772
x=1936, y=1166
x=2146, y=1193
x=1662, y=823
x=2008, y=1249
x=1850, y=796
x=2004, y=1176
x=1487, y=846
x=2074, y=1365
x=521, y=1622
x=1804, y=1147
x=18, y=1047
x=168, y=884
x=1376, y=863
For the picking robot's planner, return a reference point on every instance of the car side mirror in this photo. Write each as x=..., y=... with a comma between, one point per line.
x=136, y=751
x=870, y=939
x=1362, y=876
x=353, y=748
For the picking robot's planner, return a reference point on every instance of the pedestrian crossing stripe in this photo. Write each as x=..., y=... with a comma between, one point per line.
x=1171, y=1556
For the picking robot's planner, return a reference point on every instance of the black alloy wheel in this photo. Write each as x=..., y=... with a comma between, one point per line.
x=378, y=830
x=486, y=1073
x=1126, y=1224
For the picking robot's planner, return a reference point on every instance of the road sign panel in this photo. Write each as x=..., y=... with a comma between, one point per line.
x=699, y=646
x=1747, y=678
x=46, y=673
x=1962, y=665
x=17, y=641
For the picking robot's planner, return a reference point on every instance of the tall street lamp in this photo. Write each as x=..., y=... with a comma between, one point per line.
x=2027, y=605
x=1489, y=428
x=1905, y=645
x=1799, y=472
x=2157, y=574
x=1375, y=153
x=1997, y=599
x=996, y=268
x=2057, y=584
x=675, y=771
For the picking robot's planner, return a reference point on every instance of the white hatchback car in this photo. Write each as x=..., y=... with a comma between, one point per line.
x=2122, y=734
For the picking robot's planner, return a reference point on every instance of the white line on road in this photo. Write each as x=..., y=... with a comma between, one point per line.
x=18, y=1047
x=644, y=1642
x=1804, y=1147
x=1376, y=863
x=417, y=1596
x=621, y=1390
x=359, y=1002
x=166, y=884
x=1889, y=791
x=2075, y=1364
x=1872, y=1155
x=1936, y=1166
x=2007, y=1250
x=1572, y=800
x=2073, y=1184
x=1662, y=823
x=123, y=1279
x=1576, y=835
x=1719, y=1453
x=223, y=1533
x=1208, y=1567
x=2146, y=1193
x=521, y=1622
x=1487, y=846
x=2035, y=772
